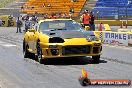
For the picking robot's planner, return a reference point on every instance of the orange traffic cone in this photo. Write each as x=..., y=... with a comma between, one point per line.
x=100, y=27
x=84, y=73
x=84, y=80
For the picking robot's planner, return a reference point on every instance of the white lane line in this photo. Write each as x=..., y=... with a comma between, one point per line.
x=2, y=84
x=5, y=44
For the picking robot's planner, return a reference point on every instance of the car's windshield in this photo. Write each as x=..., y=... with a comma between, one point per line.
x=59, y=25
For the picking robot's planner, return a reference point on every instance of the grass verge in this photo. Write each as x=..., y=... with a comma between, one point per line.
x=3, y=3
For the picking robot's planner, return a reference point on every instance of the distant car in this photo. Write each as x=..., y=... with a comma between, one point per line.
x=52, y=38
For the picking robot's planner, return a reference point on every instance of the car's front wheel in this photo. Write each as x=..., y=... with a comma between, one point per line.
x=39, y=53
x=96, y=59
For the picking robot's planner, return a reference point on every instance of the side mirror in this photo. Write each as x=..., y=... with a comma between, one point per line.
x=32, y=30
x=87, y=28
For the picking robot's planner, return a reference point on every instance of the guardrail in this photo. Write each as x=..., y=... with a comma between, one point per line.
x=115, y=22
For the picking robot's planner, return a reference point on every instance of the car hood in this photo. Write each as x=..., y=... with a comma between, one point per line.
x=69, y=34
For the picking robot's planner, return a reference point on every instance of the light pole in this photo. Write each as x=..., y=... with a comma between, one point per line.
x=97, y=14
x=127, y=13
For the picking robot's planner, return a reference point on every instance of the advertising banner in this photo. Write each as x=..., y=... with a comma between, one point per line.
x=116, y=38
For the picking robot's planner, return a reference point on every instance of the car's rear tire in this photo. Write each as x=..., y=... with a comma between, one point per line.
x=26, y=53
x=39, y=54
x=96, y=59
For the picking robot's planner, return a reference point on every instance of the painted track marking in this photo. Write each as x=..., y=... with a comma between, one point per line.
x=5, y=44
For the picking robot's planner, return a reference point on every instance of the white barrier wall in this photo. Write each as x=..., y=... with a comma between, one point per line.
x=130, y=39
x=114, y=38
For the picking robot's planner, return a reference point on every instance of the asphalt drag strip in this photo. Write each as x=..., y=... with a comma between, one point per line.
x=19, y=72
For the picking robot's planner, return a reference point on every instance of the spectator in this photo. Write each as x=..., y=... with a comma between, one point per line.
x=86, y=18
x=53, y=16
x=92, y=26
x=74, y=0
x=26, y=18
x=22, y=8
x=71, y=11
x=19, y=25
x=32, y=8
x=48, y=5
x=27, y=24
x=46, y=16
x=43, y=5
x=34, y=18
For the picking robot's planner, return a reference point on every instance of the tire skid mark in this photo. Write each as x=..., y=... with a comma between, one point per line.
x=38, y=65
x=77, y=68
x=11, y=39
x=116, y=60
x=119, y=47
x=47, y=68
x=13, y=68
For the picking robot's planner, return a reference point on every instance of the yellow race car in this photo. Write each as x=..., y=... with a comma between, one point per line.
x=53, y=38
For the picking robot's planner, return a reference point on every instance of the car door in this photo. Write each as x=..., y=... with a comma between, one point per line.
x=35, y=38
x=31, y=36
x=30, y=39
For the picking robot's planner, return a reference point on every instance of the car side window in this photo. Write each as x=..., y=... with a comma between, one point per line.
x=40, y=26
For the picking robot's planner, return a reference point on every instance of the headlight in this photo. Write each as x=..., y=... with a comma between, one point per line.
x=92, y=38
x=53, y=46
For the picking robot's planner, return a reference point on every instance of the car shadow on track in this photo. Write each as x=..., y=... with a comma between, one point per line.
x=71, y=61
